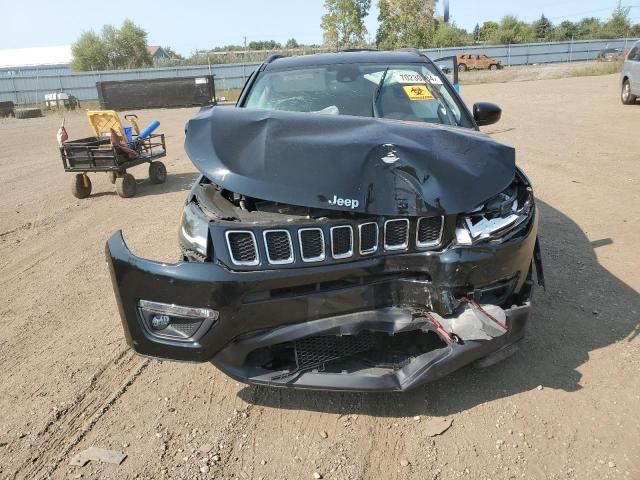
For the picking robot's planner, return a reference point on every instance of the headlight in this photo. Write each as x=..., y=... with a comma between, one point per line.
x=497, y=216
x=194, y=230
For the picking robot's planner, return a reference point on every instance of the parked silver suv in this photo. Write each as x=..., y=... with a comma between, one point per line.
x=631, y=76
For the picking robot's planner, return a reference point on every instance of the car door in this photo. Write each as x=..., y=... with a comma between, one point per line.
x=634, y=60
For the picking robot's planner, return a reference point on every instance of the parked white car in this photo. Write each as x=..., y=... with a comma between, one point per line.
x=631, y=76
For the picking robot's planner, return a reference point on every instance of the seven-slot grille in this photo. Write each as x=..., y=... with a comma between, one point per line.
x=279, y=248
x=429, y=231
x=243, y=247
x=396, y=234
x=342, y=241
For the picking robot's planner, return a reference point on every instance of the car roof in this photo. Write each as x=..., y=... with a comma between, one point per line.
x=347, y=56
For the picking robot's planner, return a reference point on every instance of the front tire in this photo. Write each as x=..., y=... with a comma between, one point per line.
x=81, y=186
x=462, y=67
x=126, y=185
x=626, y=96
x=493, y=67
x=157, y=172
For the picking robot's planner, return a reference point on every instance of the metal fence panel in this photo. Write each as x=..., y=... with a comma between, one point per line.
x=29, y=85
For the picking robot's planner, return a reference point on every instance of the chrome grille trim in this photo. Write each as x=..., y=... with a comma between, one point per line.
x=255, y=246
x=368, y=251
x=266, y=246
x=346, y=254
x=434, y=243
x=311, y=259
x=402, y=246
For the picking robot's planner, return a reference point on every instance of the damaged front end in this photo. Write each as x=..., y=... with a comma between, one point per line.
x=386, y=282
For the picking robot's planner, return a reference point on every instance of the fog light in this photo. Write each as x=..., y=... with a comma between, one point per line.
x=160, y=322
x=176, y=322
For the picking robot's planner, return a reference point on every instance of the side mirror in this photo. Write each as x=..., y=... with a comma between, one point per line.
x=485, y=113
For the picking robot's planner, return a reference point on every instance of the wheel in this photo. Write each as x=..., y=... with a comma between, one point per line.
x=126, y=185
x=28, y=113
x=81, y=186
x=157, y=172
x=493, y=66
x=462, y=67
x=627, y=97
x=112, y=177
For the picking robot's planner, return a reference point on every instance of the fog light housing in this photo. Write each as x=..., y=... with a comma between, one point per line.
x=176, y=322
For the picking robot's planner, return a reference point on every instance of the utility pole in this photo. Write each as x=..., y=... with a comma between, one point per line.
x=244, y=60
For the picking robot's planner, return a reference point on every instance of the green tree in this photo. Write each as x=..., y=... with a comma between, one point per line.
x=618, y=25
x=588, y=28
x=292, y=43
x=511, y=30
x=476, y=33
x=343, y=24
x=405, y=23
x=567, y=30
x=124, y=47
x=448, y=35
x=89, y=53
x=264, y=45
x=542, y=29
x=488, y=30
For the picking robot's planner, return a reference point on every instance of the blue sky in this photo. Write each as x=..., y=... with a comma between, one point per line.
x=195, y=24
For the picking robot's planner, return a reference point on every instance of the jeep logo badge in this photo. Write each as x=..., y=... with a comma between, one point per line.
x=344, y=202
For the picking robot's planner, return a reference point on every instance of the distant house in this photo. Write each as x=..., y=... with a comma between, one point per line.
x=158, y=54
x=31, y=61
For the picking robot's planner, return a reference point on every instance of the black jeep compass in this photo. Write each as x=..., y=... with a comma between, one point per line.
x=351, y=230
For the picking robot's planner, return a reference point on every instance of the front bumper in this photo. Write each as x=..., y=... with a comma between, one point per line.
x=262, y=308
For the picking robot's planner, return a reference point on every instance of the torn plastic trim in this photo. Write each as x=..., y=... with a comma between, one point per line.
x=422, y=368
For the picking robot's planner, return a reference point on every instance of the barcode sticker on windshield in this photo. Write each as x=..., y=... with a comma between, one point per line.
x=418, y=92
x=412, y=78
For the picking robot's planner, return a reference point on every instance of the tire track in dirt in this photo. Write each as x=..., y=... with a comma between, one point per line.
x=71, y=424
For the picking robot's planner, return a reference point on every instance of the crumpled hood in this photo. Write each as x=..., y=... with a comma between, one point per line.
x=359, y=164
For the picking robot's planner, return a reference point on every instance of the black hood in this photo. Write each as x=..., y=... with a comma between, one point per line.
x=359, y=164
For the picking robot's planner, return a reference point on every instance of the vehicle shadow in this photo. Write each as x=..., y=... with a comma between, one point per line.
x=176, y=182
x=585, y=308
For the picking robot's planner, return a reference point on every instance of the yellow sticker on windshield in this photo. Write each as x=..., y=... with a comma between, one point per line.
x=418, y=92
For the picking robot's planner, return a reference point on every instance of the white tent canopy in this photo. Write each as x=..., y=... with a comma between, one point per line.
x=33, y=57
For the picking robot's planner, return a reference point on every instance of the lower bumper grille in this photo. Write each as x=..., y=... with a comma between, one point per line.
x=313, y=352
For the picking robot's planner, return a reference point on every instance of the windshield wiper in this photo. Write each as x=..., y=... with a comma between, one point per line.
x=438, y=95
x=376, y=94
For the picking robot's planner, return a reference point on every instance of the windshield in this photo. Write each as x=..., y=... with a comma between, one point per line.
x=411, y=92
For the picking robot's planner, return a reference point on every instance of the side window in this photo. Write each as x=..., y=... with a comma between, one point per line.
x=634, y=54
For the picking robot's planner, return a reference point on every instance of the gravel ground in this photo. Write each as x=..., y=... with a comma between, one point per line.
x=564, y=407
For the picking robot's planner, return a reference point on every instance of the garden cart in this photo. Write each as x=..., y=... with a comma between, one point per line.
x=114, y=149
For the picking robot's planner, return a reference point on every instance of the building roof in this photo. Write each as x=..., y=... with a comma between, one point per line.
x=357, y=56
x=33, y=57
x=152, y=49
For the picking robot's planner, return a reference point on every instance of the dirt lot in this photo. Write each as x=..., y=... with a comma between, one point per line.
x=567, y=406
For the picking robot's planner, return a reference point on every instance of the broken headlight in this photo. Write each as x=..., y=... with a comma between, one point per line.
x=498, y=216
x=194, y=231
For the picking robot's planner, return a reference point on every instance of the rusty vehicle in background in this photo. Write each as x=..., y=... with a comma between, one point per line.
x=475, y=61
